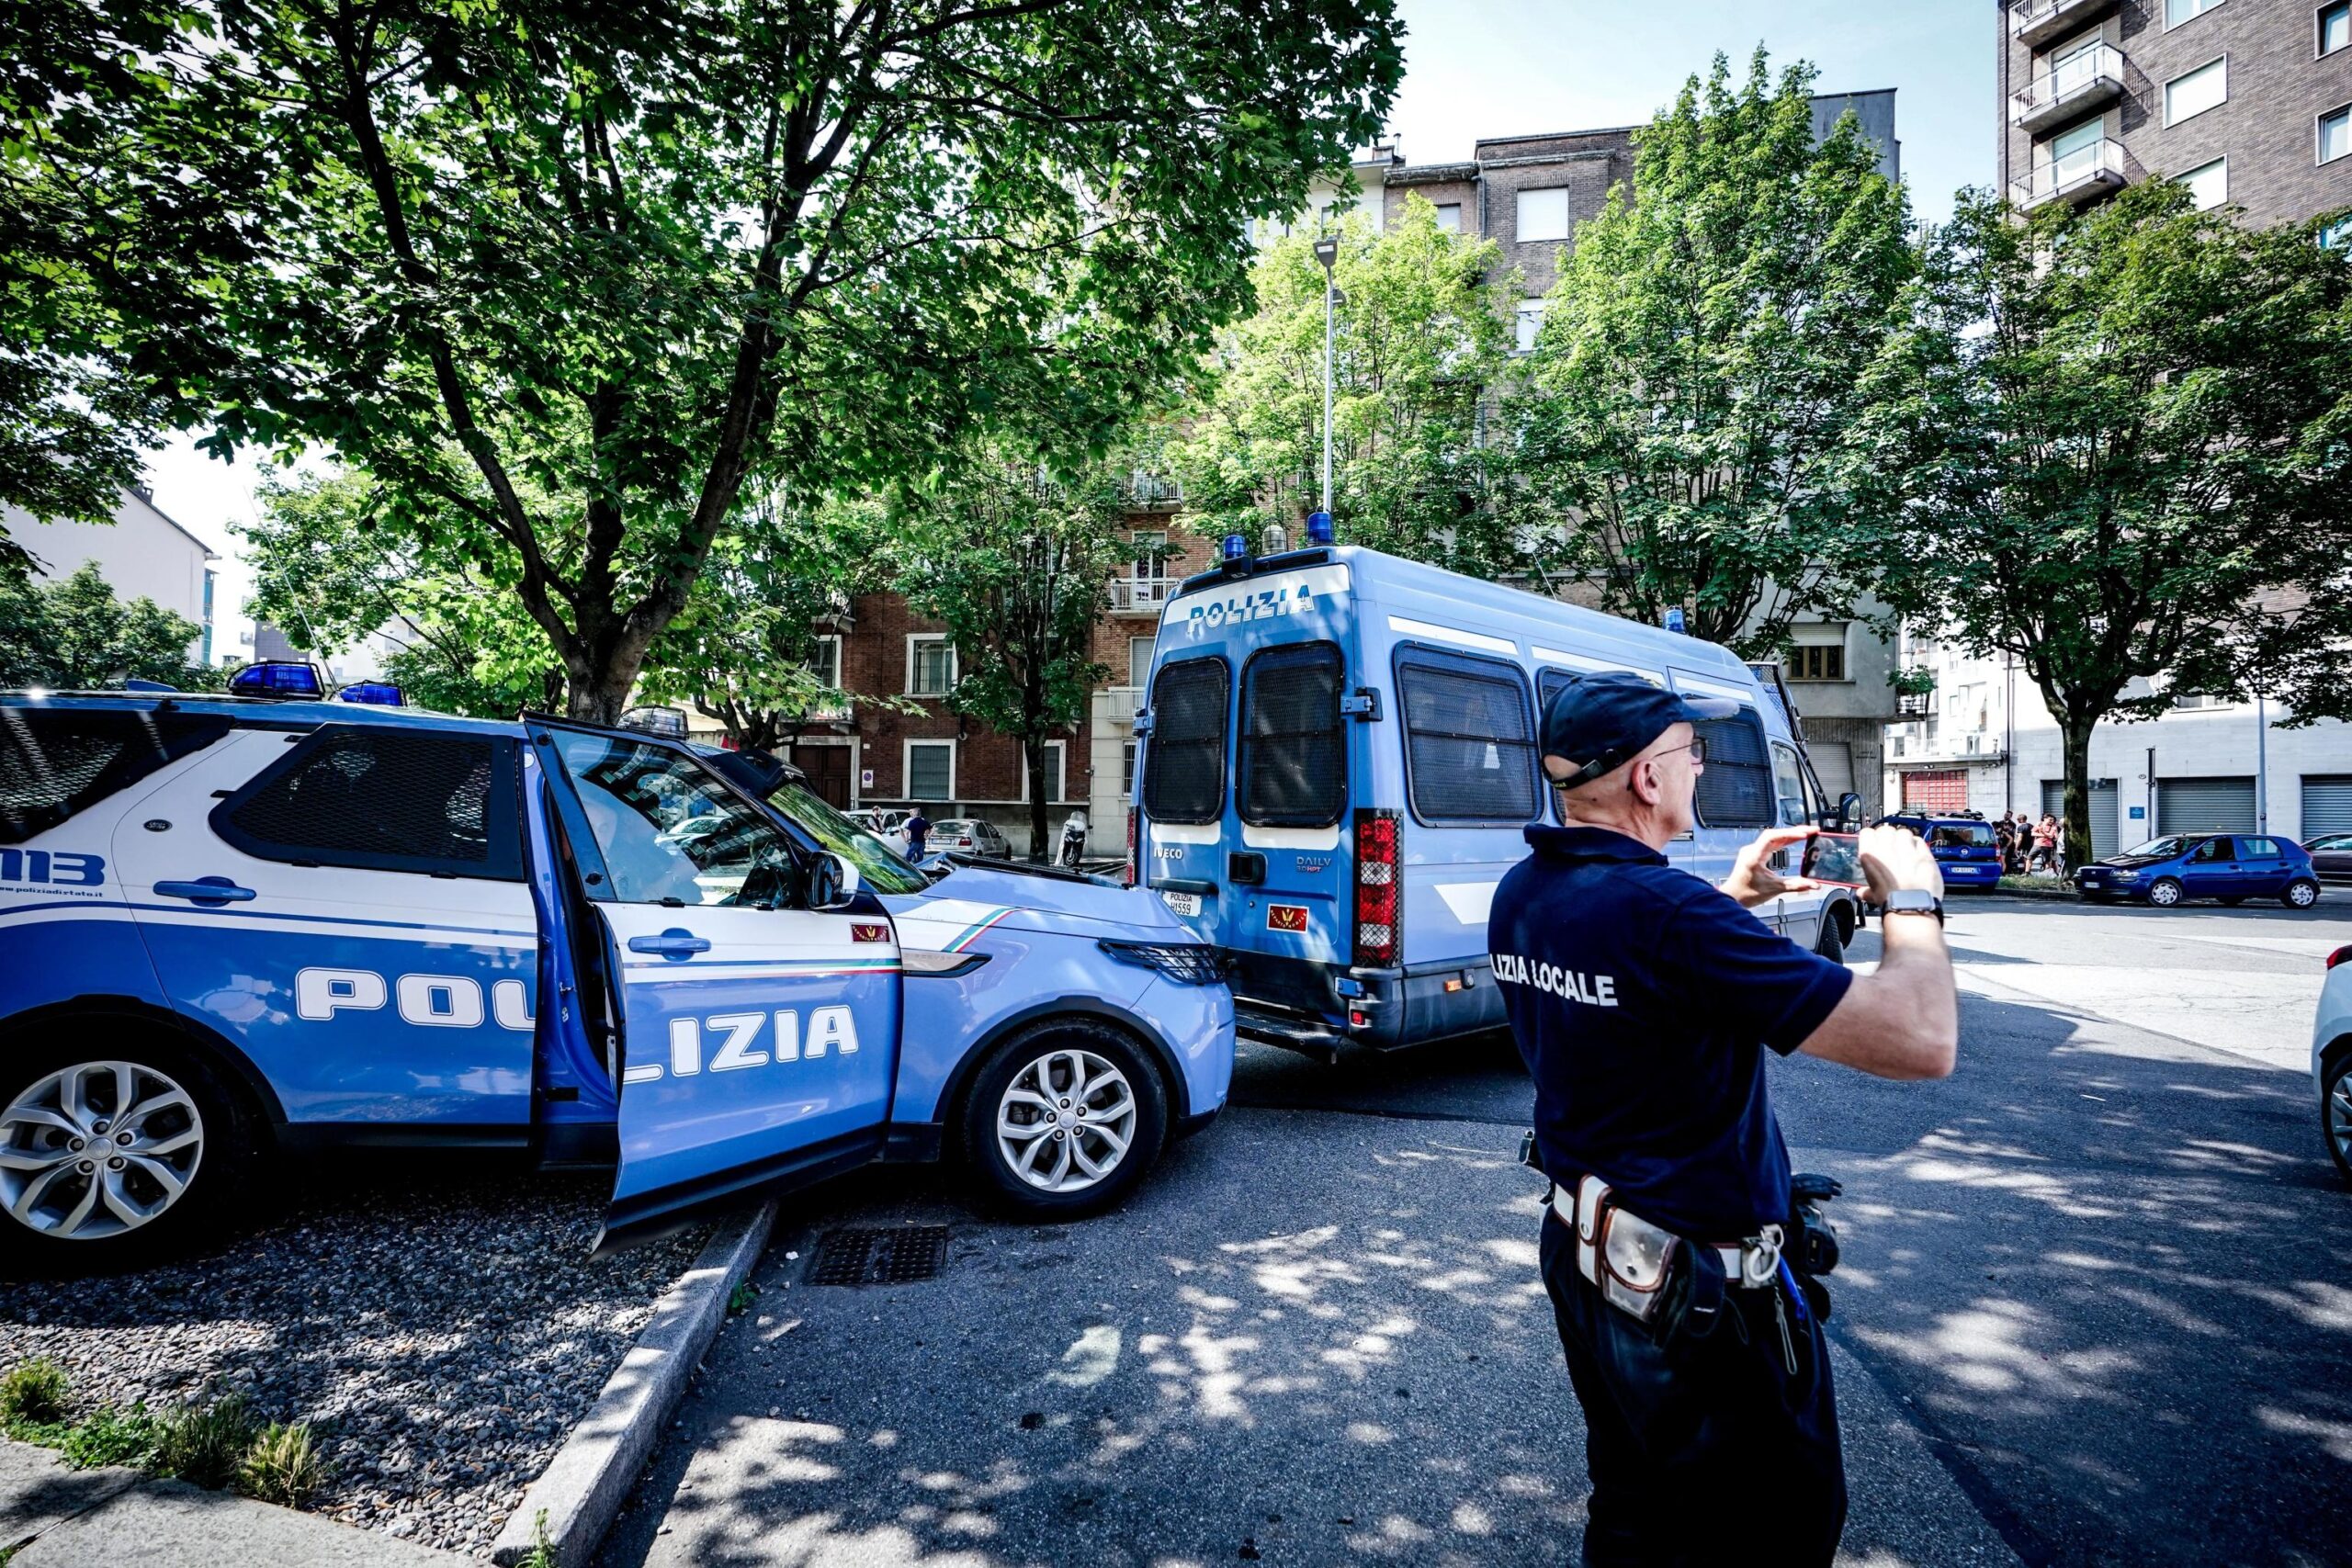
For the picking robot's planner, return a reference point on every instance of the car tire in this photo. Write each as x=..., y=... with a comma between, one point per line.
x=2166, y=893
x=1010, y=1093
x=2335, y=1112
x=133, y=1215
x=1830, y=944
x=2301, y=894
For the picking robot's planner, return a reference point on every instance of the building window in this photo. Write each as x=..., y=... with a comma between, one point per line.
x=2192, y=94
x=2336, y=234
x=1818, y=652
x=2209, y=184
x=931, y=664
x=1449, y=217
x=2335, y=27
x=1057, y=780
x=2335, y=134
x=826, y=665
x=931, y=770
x=1139, y=658
x=1543, y=214
x=1530, y=323
x=1151, y=553
x=2179, y=11
x=1127, y=769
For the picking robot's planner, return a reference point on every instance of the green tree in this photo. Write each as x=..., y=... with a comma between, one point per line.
x=73, y=634
x=2120, y=444
x=571, y=276
x=1694, y=382
x=1018, y=563
x=1420, y=345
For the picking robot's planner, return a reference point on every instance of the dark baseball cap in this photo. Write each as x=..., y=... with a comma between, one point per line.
x=1604, y=720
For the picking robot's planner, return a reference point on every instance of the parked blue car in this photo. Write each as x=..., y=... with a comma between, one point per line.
x=1964, y=848
x=2230, y=867
x=235, y=927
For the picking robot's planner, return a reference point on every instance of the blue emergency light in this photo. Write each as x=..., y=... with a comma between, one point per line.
x=279, y=678
x=381, y=693
x=1237, y=548
x=1318, y=527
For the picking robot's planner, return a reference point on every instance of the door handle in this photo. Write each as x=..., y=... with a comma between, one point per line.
x=206, y=890
x=672, y=943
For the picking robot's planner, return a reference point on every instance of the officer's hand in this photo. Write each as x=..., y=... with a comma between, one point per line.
x=1752, y=880
x=1897, y=859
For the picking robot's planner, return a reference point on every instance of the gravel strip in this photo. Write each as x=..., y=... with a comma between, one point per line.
x=444, y=1334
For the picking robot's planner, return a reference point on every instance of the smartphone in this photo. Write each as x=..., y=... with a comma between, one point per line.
x=1834, y=858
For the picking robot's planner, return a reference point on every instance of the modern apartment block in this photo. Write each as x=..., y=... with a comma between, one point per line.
x=1529, y=195
x=2245, y=101
x=145, y=553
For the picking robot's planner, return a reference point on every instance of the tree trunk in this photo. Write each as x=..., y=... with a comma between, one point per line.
x=1032, y=757
x=2076, y=834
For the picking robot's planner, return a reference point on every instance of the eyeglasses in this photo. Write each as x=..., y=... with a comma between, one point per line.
x=1698, y=750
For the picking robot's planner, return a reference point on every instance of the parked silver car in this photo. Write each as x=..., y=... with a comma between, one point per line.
x=968, y=835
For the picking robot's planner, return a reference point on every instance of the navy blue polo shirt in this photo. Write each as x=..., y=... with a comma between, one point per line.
x=1642, y=997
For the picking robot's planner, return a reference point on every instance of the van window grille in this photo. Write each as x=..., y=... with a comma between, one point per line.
x=1183, y=771
x=384, y=799
x=55, y=762
x=1293, y=767
x=1469, y=740
x=1736, y=785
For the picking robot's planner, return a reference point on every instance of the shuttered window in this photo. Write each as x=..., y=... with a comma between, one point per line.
x=1184, y=770
x=1293, y=771
x=1736, y=785
x=384, y=799
x=55, y=762
x=1469, y=740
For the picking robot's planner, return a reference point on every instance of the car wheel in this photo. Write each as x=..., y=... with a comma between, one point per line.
x=2164, y=893
x=1831, y=943
x=1065, y=1119
x=116, y=1157
x=2335, y=1112
x=2301, y=894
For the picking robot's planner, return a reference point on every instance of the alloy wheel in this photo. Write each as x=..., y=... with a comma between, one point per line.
x=2164, y=894
x=1066, y=1121
x=2302, y=895
x=97, y=1149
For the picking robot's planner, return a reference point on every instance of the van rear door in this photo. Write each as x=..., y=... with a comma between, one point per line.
x=1289, y=793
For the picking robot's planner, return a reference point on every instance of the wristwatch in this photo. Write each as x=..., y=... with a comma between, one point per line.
x=1913, y=901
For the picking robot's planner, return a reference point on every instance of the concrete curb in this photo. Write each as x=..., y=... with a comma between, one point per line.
x=581, y=1489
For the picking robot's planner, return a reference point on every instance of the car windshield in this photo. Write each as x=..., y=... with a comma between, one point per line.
x=2159, y=848
x=2333, y=841
x=1960, y=836
x=879, y=865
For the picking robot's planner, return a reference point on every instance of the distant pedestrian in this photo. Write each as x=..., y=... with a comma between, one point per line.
x=917, y=831
x=2045, y=843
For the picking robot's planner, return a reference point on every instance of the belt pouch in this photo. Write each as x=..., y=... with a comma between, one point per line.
x=1592, y=1197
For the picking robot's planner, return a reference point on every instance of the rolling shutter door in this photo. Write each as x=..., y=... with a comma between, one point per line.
x=1928, y=792
x=2103, y=824
x=2327, y=805
x=2203, y=806
x=1833, y=761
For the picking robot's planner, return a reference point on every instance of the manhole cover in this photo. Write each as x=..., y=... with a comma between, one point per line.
x=868, y=1256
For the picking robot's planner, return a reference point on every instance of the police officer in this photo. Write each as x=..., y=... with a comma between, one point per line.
x=1643, y=1000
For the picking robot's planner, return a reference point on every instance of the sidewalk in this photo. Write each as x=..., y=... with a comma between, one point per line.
x=55, y=1517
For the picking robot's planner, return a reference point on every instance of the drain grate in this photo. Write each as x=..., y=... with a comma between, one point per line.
x=867, y=1256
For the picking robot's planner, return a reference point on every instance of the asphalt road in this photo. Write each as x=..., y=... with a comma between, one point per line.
x=2096, y=1308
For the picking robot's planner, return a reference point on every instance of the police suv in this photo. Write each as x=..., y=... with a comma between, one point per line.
x=233, y=929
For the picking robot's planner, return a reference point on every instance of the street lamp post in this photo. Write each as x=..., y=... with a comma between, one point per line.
x=1326, y=251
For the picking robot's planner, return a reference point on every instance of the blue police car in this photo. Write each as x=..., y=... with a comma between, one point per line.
x=1965, y=849
x=2229, y=867
x=237, y=929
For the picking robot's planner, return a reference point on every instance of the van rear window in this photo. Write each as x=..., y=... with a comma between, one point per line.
x=1736, y=786
x=55, y=762
x=1293, y=769
x=1469, y=739
x=1184, y=770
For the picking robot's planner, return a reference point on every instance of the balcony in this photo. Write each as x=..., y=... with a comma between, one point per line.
x=1141, y=595
x=1147, y=491
x=2035, y=22
x=2081, y=174
x=2076, y=85
x=1117, y=704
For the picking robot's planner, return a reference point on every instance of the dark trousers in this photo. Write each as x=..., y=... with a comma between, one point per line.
x=1684, y=1445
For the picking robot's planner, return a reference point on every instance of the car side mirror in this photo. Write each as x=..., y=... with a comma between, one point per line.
x=1848, y=818
x=832, y=882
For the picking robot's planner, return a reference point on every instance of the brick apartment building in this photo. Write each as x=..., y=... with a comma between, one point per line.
x=2245, y=101
x=865, y=755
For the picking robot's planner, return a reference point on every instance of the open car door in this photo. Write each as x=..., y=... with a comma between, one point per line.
x=759, y=1036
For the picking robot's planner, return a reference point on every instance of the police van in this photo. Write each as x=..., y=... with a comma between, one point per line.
x=1338, y=762
x=235, y=929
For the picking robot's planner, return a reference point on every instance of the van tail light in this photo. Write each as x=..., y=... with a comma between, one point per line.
x=1380, y=902
x=1134, y=833
x=2341, y=955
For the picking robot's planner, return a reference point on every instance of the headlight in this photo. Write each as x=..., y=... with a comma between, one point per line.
x=1187, y=963
x=2127, y=876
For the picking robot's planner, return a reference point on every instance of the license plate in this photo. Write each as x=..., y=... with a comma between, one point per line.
x=1184, y=904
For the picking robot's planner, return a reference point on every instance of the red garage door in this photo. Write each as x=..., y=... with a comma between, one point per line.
x=1935, y=792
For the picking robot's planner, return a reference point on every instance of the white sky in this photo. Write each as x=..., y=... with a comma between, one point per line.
x=1479, y=68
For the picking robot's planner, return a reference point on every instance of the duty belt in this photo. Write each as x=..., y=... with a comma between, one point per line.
x=1626, y=1256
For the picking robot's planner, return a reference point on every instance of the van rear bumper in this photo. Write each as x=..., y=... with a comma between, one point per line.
x=1299, y=1005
